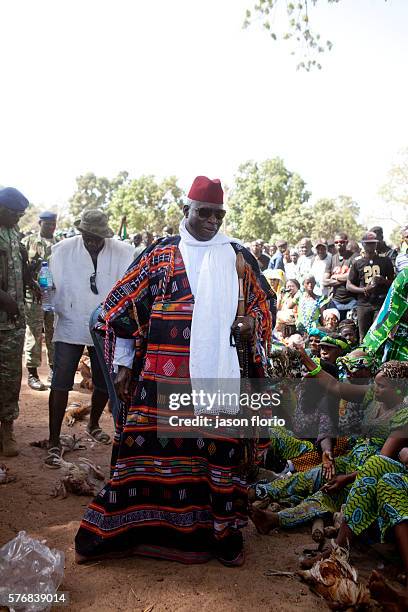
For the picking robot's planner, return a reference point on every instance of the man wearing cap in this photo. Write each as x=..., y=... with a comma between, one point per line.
x=319, y=265
x=369, y=278
x=39, y=249
x=277, y=261
x=84, y=269
x=12, y=323
x=170, y=320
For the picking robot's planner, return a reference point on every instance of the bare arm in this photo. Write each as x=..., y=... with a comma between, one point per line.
x=353, y=288
x=394, y=443
x=349, y=392
x=328, y=281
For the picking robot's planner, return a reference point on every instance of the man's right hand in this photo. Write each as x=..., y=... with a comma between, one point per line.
x=122, y=383
x=369, y=289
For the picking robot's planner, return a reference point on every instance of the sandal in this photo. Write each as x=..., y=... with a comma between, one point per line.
x=71, y=443
x=53, y=458
x=98, y=435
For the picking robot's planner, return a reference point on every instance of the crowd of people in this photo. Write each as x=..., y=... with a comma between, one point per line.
x=329, y=316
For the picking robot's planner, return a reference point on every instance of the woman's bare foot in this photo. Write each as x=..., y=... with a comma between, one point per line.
x=392, y=600
x=264, y=520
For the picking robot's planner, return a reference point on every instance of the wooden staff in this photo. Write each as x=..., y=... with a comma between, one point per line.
x=240, y=267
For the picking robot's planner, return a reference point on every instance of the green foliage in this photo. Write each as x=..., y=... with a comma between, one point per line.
x=334, y=215
x=268, y=201
x=95, y=191
x=147, y=204
x=262, y=191
x=290, y=21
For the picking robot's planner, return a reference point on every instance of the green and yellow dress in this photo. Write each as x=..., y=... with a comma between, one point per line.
x=302, y=489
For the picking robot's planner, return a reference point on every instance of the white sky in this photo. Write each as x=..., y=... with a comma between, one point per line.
x=177, y=87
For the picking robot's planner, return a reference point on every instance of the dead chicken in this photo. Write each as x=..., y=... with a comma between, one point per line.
x=76, y=412
x=336, y=580
x=84, y=368
x=82, y=478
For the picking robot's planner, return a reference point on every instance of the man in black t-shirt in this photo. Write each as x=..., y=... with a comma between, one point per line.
x=370, y=277
x=336, y=276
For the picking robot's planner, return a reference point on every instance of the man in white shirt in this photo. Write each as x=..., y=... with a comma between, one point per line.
x=84, y=269
x=305, y=259
x=319, y=265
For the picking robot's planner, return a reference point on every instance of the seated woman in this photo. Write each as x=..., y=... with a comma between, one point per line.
x=349, y=330
x=331, y=318
x=392, y=502
x=314, y=423
x=313, y=341
x=379, y=495
x=333, y=346
x=384, y=431
x=355, y=367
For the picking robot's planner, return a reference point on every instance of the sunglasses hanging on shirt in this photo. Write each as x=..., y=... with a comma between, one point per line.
x=92, y=282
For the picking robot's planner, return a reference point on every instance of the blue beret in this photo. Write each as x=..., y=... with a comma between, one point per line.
x=13, y=199
x=47, y=216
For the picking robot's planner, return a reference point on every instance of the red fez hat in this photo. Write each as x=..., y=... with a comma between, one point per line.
x=206, y=190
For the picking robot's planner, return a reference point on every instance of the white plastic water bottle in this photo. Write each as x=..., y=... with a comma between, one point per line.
x=46, y=285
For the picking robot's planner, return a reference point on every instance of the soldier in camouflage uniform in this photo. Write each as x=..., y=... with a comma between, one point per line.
x=39, y=249
x=12, y=321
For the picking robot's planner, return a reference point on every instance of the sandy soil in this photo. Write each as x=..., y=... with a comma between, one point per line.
x=136, y=583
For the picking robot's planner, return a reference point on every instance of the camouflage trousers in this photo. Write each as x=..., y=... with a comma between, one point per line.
x=11, y=355
x=36, y=320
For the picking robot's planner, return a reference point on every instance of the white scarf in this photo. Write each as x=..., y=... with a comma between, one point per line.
x=211, y=271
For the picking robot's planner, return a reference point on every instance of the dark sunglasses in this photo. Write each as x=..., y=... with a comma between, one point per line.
x=205, y=212
x=92, y=282
x=340, y=242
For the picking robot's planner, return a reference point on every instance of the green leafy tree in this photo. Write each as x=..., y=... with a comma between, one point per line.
x=334, y=215
x=291, y=22
x=95, y=191
x=260, y=194
x=147, y=204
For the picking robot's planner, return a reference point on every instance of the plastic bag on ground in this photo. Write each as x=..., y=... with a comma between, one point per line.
x=29, y=566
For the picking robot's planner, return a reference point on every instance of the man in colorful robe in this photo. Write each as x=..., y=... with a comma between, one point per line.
x=171, y=316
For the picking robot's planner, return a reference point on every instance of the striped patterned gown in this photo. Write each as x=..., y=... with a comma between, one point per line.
x=175, y=498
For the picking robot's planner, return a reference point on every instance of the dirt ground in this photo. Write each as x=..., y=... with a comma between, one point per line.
x=141, y=584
